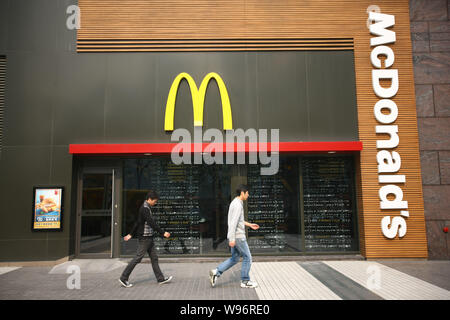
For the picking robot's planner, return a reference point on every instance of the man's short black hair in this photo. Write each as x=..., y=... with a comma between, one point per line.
x=152, y=195
x=241, y=188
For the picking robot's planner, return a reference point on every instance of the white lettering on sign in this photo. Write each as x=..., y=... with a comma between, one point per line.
x=386, y=113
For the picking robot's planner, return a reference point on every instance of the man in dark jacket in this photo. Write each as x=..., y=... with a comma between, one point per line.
x=144, y=229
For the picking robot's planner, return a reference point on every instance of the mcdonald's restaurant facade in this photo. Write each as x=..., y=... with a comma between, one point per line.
x=94, y=95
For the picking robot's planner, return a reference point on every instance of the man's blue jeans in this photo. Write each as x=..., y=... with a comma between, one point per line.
x=239, y=250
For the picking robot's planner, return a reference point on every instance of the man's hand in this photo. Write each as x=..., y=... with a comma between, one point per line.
x=166, y=234
x=254, y=226
x=127, y=237
x=232, y=243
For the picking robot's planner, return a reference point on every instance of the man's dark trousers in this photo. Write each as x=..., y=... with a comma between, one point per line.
x=145, y=245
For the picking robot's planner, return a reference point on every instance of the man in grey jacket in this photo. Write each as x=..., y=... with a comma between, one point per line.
x=237, y=241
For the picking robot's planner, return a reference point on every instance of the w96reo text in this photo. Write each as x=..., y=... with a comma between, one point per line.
x=229, y=309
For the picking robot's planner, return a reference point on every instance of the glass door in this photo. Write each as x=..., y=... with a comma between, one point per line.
x=96, y=212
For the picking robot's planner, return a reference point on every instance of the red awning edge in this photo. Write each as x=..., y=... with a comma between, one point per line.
x=165, y=148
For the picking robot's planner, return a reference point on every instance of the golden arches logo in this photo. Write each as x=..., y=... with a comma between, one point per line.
x=198, y=100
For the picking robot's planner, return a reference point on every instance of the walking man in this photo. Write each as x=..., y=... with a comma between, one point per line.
x=145, y=228
x=237, y=241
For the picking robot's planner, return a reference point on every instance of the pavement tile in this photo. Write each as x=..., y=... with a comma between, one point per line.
x=278, y=280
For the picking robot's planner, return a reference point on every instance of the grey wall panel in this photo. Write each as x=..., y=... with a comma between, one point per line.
x=244, y=92
x=37, y=26
x=130, y=98
x=4, y=5
x=61, y=175
x=21, y=168
x=57, y=248
x=79, y=115
x=30, y=89
x=281, y=95
x=61, y=165
x=23, y=249
x=331, y=96
x=32, y=25
x=345, y=117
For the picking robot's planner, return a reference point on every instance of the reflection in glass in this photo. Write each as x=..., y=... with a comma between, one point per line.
x=96, y=213
x=329, y=208
x=273, y=205
x=194, y=202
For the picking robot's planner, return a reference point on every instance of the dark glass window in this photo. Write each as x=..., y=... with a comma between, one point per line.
x=273, y=205
x=194, y=202
x=329, y=204
x=96, y=213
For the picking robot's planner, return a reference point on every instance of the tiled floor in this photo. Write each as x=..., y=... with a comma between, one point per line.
x=284, y=280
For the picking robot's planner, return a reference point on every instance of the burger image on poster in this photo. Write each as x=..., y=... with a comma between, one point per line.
x=47, y=203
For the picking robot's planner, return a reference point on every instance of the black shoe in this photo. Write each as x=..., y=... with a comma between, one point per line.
x=166, y=280
x=125, y=283
x=249, y=284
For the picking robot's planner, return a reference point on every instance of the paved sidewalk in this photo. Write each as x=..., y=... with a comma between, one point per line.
x=281, y=280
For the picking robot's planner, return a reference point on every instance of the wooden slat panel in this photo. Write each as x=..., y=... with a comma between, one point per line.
x=94, y=45
x=205, y=50
x=244, y=22
x=149, y=41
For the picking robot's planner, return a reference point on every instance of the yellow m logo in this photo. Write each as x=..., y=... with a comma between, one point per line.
x=198, y=100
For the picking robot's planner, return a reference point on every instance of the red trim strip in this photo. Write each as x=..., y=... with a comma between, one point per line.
x=164, y=148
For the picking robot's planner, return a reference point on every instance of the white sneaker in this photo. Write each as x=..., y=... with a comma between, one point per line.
x=166, y=280
x=213, y=277
x=249, y=284
x=125, y=284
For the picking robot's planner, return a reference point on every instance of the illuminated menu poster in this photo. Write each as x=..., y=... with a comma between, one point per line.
x=328, y=204
x=47, y=208
x=266, y=208
x=177, y=211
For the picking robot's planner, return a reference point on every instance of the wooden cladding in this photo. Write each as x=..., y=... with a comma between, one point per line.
x=204, y=25
x=93, y=45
